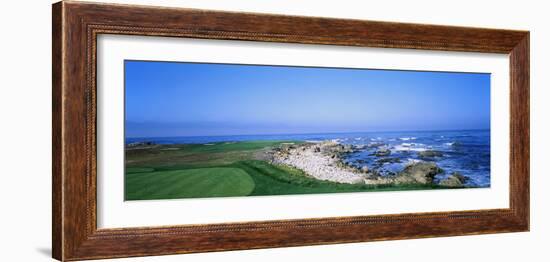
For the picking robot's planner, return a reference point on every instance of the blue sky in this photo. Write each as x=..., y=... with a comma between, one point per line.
x=166, y=99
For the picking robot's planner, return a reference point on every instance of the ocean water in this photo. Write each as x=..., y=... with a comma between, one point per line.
x=466, y=151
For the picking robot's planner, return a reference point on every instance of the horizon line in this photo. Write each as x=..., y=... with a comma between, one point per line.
x=315, y=133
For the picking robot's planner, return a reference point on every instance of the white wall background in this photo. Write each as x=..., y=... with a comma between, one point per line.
x=25, y=147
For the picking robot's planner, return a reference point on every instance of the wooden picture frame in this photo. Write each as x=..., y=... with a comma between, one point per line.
x=76, y=26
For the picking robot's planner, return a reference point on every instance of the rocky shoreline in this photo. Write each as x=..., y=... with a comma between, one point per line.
x=323, y=161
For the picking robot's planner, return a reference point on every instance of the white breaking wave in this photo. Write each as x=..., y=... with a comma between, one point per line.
x=409, y=147
x=412, y=161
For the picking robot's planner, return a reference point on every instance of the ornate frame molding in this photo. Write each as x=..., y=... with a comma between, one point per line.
x=76, y=26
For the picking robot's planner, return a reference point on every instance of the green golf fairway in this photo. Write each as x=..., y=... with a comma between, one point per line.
x=186, y=183
x=224, y=170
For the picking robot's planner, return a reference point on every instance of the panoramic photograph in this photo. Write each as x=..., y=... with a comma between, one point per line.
x=201, y=130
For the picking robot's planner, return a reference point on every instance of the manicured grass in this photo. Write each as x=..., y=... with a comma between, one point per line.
x=188, y=183
x=283, y=180
x=230, y=146
x=139, y=170
x=223, y=170
x=243, y=178
x=170, y=157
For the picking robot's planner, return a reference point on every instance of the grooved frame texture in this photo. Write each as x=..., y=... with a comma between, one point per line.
x=75, y=27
